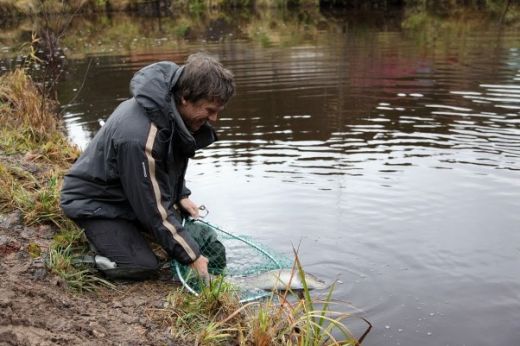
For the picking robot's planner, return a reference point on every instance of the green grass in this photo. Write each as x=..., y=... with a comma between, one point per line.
x=199, y=318
x=65, y=247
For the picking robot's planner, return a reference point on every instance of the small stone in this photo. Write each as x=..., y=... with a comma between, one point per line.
x=8, y=246
x=98, y=334
x=45, y=230
x=140, y=301
x=6, y=298
x=38, y=263
x=11, y=219
x=128, y=303
x=39, y=274
x=129, y=319
x=27, y=233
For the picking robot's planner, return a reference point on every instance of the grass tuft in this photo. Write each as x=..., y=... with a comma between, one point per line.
x=24, y=107
x=201, y=317
x=65, y=247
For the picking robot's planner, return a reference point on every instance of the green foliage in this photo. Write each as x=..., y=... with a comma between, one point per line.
x=284, y=322
x=238, y=3
x=43, y=207
x=197, y=7
x=26, y=107
x=181, y=28
x=37, y=198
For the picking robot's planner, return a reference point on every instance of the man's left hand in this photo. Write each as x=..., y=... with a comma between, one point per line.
x=191, y=208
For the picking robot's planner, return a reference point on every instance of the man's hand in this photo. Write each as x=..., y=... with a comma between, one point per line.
x=201, y=266
x=191, y=208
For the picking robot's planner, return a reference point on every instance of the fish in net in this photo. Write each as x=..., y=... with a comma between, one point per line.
x=229, y=255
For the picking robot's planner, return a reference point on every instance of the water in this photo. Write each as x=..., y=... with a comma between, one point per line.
x=389, y=152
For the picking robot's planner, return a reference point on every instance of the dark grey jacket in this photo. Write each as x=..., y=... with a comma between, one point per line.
x=134, y=167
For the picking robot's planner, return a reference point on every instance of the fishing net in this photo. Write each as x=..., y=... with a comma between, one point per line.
x=229, y=255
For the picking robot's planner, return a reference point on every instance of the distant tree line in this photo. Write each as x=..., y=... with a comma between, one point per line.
x=12, y=8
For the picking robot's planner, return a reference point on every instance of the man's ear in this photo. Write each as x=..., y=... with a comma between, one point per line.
x=183, y=100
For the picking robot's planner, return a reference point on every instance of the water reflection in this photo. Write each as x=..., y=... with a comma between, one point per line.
x=303, y=101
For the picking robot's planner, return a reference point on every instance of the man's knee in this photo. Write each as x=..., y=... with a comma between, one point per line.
x=147, y=261
x=142, y=267
x=129, y=273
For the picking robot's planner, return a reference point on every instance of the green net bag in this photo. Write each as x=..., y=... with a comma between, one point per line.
x=229, y=255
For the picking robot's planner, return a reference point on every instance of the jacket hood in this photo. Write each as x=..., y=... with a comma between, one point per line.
x=152, y=89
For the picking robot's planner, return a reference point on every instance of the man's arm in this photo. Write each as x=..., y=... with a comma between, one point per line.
x=145, y=184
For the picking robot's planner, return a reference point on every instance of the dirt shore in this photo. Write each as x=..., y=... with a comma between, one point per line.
x=37, y=309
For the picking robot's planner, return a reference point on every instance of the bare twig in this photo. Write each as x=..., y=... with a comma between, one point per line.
x=82, y=83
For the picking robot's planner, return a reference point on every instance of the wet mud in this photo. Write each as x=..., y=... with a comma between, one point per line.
x=36, y=307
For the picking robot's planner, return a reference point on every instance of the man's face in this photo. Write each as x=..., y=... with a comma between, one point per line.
x=196, y=114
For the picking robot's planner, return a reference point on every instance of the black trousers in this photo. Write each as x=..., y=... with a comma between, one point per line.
x=122, y=242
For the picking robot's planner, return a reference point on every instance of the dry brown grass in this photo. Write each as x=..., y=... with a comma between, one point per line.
x=23, y=106
x=15, y=7
x=29, y=125
x=34, y=152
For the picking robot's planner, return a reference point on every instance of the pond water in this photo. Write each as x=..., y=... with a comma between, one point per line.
x=385, y=145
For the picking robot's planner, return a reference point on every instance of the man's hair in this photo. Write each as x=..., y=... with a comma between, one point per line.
x=204, y=78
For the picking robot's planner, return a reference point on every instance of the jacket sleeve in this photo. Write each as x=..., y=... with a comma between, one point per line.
x=185, y=191
x=145, y=184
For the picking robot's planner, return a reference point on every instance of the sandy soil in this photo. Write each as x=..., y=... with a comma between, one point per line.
x=37, y=309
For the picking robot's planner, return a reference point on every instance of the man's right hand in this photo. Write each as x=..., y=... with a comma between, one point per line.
x=201, y=266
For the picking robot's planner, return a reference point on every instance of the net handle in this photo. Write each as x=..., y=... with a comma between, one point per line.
x=184, y=283
x=179, y=274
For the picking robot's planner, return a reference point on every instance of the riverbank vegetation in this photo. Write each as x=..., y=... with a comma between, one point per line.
x=217, y=317
x=129, y=35
x=34, y=155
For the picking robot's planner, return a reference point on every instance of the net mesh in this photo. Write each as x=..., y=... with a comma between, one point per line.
x=243, y=257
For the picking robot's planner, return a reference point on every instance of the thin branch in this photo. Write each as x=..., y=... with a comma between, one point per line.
x=82, y=83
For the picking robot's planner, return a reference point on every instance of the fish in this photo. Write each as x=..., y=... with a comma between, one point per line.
x=278, y=280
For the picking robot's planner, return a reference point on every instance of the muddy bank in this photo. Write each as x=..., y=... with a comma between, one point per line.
x=36, y=308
